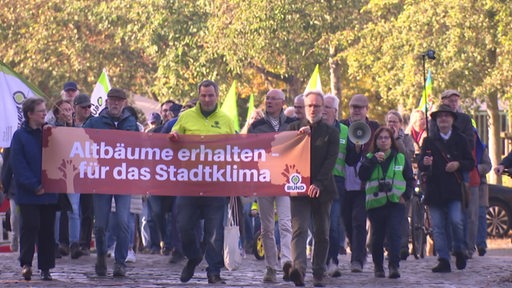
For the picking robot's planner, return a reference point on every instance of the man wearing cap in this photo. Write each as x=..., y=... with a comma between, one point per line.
x=445, y=156
x=69, y=91
x=274, y=121
x=82, y=107
x=354, y=209
x=154, y=121
x=315, y=206
x=205, y=118
x=114, y=117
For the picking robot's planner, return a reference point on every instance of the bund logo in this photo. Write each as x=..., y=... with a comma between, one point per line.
x=216, y=124
x=295, y=184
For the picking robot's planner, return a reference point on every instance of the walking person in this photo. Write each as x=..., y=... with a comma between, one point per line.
x=389, y=184
x=37, y=206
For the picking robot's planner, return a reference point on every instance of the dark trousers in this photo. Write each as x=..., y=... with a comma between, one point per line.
x=86, y=220
x=161, y=208
x=354, y=217
x=37, y=224
x=303, y=210
x=386, y=224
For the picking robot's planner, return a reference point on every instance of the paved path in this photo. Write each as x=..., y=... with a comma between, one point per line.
x=492, y=270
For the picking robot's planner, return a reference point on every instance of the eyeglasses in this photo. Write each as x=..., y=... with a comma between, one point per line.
x=383, y=138
x=298, y=107
x=314, y=106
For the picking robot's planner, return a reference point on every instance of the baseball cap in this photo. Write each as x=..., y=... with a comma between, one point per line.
x=82, y=100
x=117, y=93
x=448, y=93
x=70, y=86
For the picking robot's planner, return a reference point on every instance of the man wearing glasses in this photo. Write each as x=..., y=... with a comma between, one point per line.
x=354, y=209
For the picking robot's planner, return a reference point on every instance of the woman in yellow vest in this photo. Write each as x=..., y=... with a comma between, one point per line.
x=389, y=181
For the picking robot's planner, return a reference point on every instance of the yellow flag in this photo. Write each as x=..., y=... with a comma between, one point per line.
x=230, y=106
x=314, y=82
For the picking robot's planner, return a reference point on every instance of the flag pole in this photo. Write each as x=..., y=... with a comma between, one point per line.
x=430, y=54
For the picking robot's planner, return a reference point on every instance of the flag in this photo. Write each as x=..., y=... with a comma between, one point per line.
x=314, y=82
x=230, y=107
x=426, y=101
x=14, y=89
x=99, y=94
x=250, y=108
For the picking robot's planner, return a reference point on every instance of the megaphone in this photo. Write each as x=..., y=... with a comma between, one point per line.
x=359, y=132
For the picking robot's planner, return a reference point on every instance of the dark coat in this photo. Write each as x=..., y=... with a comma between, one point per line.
x=444, y=187
x=263, y=125
x=324, y=151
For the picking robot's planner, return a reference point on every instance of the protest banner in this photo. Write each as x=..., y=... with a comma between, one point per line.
x=77, y=160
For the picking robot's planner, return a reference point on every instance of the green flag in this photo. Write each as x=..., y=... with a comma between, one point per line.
x=230, y=107
x=314, y=82
x=250, y=107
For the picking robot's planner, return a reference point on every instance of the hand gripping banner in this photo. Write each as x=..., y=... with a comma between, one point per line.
x=78, y=160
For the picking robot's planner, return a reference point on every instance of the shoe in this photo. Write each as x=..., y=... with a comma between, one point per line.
x=215, y=279
x=356, y=267
x=46, y=276
x=176, y=257
x=188, y=271
x=393, y=272
x=26, y=272
x=57, y=252
x=443, y=266
x=64, y=250
x=481, y=251
x=404, y=253
x=165, y=251
x=130, y=258
x=270, y=276
x=119, y=270
x=75, y=251
x=101, y=266
x=297, y=277
x=318, y=281
x=286, y=271
x=460, y=260
x=379, y=272
x=333, y=270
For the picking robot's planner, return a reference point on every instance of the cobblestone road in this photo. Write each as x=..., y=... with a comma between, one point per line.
x=492, y=270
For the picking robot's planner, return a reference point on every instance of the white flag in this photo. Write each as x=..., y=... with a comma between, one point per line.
x=14, y=89
x=99, y=94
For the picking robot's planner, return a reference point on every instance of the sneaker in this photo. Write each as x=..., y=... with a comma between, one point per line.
x=101, y=266
x=287, y=267
x=270, y=276
x=119, y=270
x=393, y=272
x=130, y=258
x=26, y=272
x=481, y=251
x=443, y=266
x=356, y=267
x=333, y=270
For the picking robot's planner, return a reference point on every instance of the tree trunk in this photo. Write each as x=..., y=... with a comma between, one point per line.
x=494, y=133
x=335, y=71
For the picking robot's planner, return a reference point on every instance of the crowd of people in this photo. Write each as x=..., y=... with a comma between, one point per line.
x=354, y=185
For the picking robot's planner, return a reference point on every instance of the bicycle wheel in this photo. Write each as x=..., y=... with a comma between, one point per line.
x=259, y=253
x=417, y=228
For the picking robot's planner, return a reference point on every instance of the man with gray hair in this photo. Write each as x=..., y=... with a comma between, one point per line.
x=316, y=205
x=298, y=105
x=274, y=121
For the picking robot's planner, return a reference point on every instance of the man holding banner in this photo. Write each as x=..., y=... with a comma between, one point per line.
x=205, y=118
x=316, y=205
x=116, y=118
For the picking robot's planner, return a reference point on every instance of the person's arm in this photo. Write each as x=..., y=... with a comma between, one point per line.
x=485, y=164
x=21, y=168
x=368, y=165
x=410, y=181
x=330, y=161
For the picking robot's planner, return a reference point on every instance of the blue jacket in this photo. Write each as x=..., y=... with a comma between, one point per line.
x=104, y=121
x=26, y=161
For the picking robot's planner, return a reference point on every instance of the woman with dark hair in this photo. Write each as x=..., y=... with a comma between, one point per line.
x=37, y=207
x=389, y=182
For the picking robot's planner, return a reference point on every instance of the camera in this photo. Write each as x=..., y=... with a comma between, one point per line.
x=385, y=186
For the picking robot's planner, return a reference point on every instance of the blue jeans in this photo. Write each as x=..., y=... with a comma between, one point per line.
x=74, y=220
x=161, y=206
x=386, y=224
x=102, y=207
x=112, y=230
x=337, y=229
x=481, y=236
x=190, y=212
x=447, y=215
